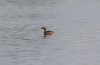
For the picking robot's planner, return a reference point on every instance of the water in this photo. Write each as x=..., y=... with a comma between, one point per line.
x=75, y=23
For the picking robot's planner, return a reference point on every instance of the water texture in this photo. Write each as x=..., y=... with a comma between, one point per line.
x=75, y=22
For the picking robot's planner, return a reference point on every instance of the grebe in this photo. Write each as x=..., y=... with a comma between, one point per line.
x=47, y=32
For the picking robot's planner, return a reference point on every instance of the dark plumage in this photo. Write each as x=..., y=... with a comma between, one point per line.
x=47, y=32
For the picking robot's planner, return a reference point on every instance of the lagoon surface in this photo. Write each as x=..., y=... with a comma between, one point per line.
x=76, y=24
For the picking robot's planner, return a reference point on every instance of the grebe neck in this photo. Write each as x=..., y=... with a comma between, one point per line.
x=44, y=29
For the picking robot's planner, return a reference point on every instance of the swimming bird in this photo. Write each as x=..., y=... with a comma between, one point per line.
x=47, y=32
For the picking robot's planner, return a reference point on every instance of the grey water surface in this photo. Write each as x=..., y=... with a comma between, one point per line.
x=76, y=24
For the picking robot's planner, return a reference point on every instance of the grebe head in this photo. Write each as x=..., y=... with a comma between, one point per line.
x=44, y=28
